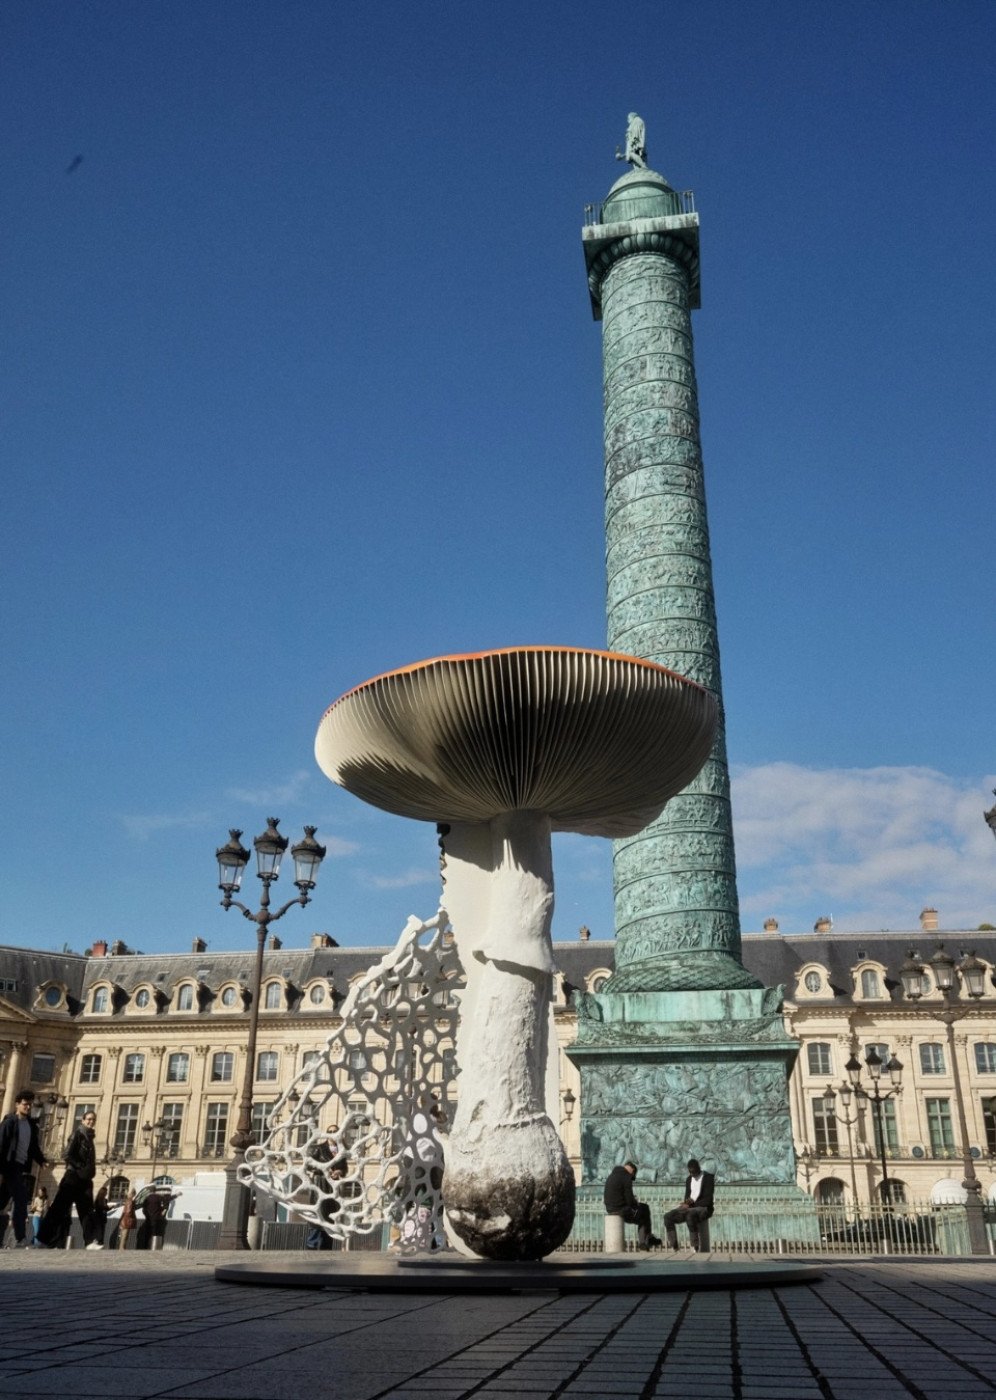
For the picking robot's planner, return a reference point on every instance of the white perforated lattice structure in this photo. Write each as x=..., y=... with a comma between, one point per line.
x=385, y=1084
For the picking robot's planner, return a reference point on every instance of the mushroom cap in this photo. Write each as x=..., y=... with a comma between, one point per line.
x=597, y=741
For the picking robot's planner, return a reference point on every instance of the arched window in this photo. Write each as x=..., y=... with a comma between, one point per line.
x=273, y=996
x=870, y=985
x=101, y=999
x=830, y=1192
x=185, y=998
x=985, y=1057
x=932, y=1059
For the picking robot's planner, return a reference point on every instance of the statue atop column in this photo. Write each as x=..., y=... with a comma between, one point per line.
x=636, y=143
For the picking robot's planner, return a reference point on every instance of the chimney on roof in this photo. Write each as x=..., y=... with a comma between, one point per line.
x=323, y=940
x=99, y=949
x=823, y=924
x=118, y=948
x=928, y=919
x=771, y=925
x=199, y=946
x=584, y=933
x=274, y=943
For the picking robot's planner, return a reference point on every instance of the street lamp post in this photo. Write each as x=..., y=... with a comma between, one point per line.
x=848, y=1119
x=232, y=861
x=809, y=1163
x=973, y=977
x=878, y=1096
x=990, y=816
x=161, y=1135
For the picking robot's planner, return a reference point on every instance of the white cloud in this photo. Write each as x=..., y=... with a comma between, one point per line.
x=280, y=794
x=869, y=846
x=415, y=875
x=336, y=846
x=141, y=827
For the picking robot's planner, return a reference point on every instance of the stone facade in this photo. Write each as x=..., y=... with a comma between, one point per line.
x=842, y=994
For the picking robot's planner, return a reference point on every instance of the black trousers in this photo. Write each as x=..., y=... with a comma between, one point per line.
x=73, y=1191
x=15, y=1187
x=685, y=1215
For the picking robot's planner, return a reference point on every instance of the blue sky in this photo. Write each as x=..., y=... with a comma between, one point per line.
x=301, y=385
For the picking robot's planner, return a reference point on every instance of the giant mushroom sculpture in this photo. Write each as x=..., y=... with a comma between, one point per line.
x=503, y=748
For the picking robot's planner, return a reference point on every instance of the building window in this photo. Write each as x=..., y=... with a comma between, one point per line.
x=261, y=1115
x=882, y=1051
x=80, y=1111
x=273, y=998
x=126, y=1128
x=985, y=1057
x=824, y=1129
x=870, y=986
x=222, y=1067
x=939, y=1127
x=101, y=999
x=267, y=1066
x=142, y=998
x=90, y=1069
x=172, y=1117
x=229, y=996
x=42, y=1069
x=53, y=995
x=215, y=1129
x=8, y=984
x=989, y=1123
x=830, y=1192
x=813, y=982
x=310, y=1058
x=932, y=1060
x=818, y=1054
x=178, y=1068
x=185, y=998
x=317, y=994
x=888, y=1107
x=134, y=1069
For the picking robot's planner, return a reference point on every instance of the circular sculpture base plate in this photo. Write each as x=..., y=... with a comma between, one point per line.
x=378, y=1273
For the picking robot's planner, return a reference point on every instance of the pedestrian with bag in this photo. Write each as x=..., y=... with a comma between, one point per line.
x=75, y=1188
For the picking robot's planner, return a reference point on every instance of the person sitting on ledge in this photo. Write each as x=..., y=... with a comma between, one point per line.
x=619, y=1200
x=696, y=1207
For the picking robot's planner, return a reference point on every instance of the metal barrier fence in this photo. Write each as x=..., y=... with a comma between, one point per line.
x=799, y=1227
x=765, y=1227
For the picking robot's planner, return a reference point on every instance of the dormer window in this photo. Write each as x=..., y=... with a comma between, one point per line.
x=229, y=997
x=870, y=983
x=185, y=998
x=273, y=997
x=101, y=1000
x=813, y=982
x=143, y=997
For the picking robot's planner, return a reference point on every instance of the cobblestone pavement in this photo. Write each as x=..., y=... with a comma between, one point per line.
x=150, y=1325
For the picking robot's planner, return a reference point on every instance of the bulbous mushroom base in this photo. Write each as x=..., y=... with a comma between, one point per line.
x=511, y=1196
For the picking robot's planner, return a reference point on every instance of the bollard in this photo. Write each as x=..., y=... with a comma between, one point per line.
x=615, y=1235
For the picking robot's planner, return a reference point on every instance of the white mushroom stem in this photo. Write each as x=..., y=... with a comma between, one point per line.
x=508, y=1186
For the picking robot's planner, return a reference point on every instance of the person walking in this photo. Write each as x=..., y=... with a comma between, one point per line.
x=75, y=1188
x=38, y=1208
x=620, y=1200
x=128, y=1221
x=19, y=1147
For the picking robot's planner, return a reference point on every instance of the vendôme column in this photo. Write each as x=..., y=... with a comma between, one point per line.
x=682, y=1053
x=676, y=911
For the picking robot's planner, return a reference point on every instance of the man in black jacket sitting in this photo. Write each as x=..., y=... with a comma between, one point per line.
x=619, y=1200
x=696, y=1207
